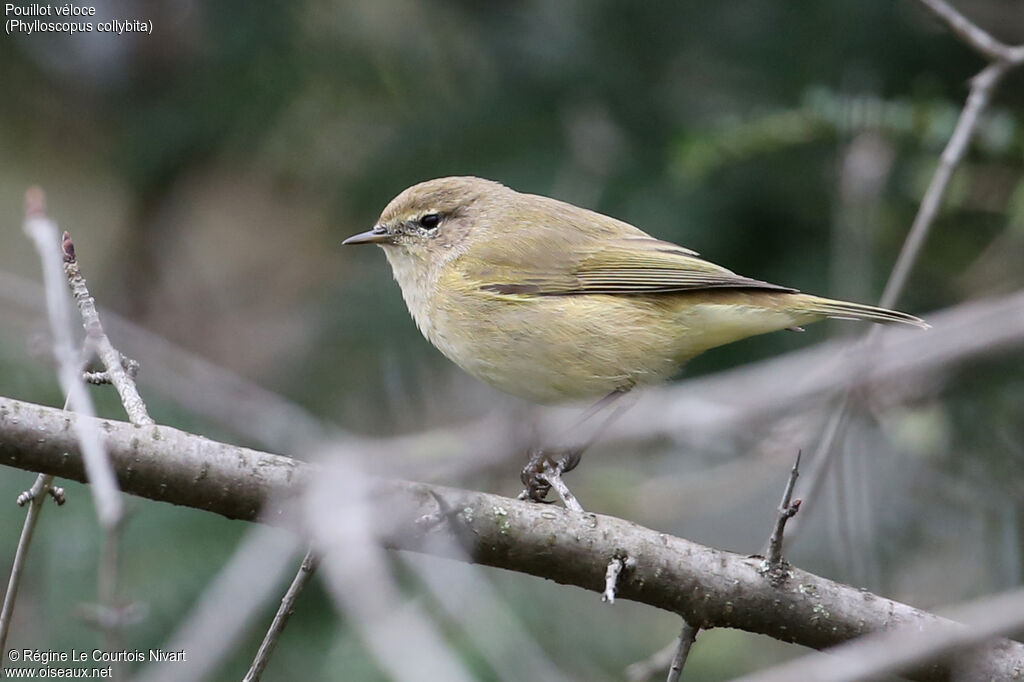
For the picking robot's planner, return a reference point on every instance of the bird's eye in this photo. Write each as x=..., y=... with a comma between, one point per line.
x=430, y=221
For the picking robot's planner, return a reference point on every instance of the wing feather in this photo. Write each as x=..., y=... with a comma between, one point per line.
x=632, y=265
x=583, y=252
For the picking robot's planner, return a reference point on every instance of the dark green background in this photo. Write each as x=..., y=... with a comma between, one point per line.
x=209, y=172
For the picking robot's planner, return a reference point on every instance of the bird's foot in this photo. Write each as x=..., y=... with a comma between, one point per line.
x=546, y=468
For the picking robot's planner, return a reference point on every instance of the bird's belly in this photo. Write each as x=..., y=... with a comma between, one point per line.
x=558, y=348
x=551, y=349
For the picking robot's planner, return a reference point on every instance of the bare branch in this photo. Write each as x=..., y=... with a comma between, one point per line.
x=553, y=474
x=980, y=40
x=874, y=655
x=284, y=612
x=982, y=87
x=707, y=587
x=120, y=371
x=786, y=511
x=36, y=497
x=686, y=639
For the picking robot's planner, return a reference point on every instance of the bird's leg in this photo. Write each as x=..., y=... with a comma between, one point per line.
x=547, y=463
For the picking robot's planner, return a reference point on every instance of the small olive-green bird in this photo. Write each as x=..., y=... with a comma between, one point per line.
x=552, y=302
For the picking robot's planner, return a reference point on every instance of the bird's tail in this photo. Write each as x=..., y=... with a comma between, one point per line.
x=856, y=311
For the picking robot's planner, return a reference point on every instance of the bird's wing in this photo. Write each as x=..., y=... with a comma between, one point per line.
x=634, y=264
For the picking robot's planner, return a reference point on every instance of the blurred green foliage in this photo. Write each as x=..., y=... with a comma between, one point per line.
x=210, y=171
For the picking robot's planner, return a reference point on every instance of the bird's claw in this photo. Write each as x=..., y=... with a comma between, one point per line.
x=542, y=462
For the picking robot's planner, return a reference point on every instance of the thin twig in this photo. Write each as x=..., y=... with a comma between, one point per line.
x=982, y=86
x=310, y=562
x=119, y=370
x=37, y=495
x=787, y=510
x=974, y=36
x=553, y=475
x=34, y=497
x=686, y=639
x=616, y=567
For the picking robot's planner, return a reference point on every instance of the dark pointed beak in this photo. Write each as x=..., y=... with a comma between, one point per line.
x=378, y=235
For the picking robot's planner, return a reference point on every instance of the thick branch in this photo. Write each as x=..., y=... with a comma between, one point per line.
x=707, y=587
x=157, y=462
x=892, y=651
